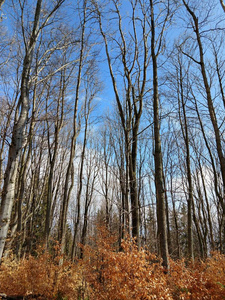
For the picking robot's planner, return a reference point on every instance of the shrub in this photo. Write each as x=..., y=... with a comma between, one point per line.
x=41, y=276
x=200, y=280
x=105, y=273
x=130, y=274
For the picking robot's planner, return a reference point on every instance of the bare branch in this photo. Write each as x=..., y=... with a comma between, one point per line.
x=192, y=58
x=223, y=5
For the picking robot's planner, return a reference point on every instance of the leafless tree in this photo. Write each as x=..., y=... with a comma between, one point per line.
x=134, y=69
x=21, y=117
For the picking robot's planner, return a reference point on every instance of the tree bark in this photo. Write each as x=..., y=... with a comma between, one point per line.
x=184, y=129
x=69, y=181
x=53, y=156
x=18, y=135
x=80, y=184
x=209, y=99
x=130, y=115
x=209, y=103
x=160, y=191
x=88, y=198
x=222, y=5
x=1, y=3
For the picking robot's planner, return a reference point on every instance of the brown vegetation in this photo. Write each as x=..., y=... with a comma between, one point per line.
x=105, y=273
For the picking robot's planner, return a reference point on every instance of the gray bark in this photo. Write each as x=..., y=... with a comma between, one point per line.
x=53, y=156
x=18, y=135
x=160, y=191
x=185, y=133
x=209, y=98
x=210, y=104
x=130, y=115
x=69, y=181
x=88, y=198
x=80, y=188
x=20, y=122
x=1, y=3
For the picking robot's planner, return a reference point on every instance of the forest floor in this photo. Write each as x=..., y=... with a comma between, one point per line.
x=107, y=274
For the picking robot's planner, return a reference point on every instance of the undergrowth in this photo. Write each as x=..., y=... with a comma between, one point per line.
x=105, y=273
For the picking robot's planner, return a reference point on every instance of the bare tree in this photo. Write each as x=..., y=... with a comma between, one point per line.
x=92, y=163
x=21, y=117
x=69, y=180
x=210, y=104
x=134, y=69
x=53, y=154
x=159, y=181
x=185, y=133
x=91, y=90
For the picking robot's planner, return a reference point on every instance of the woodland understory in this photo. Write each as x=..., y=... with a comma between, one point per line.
x=106, y=273
x=112, y=138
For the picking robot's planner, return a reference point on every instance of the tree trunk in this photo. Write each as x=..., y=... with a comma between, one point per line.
x=1, y=3
x=175, y=220
x=134, y=86
x=18, y=136
x=70, y=168
x=184, y=129
x=221, y=2
x=80, y=185
x=88, y=198
x=160, y=191
x=209, y=100
x=52, y=157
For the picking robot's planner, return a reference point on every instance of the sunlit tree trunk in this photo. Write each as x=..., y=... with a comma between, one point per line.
x=160, y=191
x=221, y=2
x=4, y=134
x=185, y=133
x=178, y=250
x=53, y=156
x=69, y=180
x=215, y=175
x=92, y=174
x=209, y=100
x=1, y=3
x=18, y=134
x=87, y=112
x=130, y=105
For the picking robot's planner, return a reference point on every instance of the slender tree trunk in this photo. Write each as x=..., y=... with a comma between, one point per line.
x=208, y=209
x=18, y=136
x=134, y=194
x=201, y=216
x=130, y=115
x=175, y=221
x=167, y=218
x=221, y=2
x=160, y=191
x=207, y=215
x=1, y=3
x=80, y=188
x=3, y=140
x=52, y=157
x=22, y=177
x=216, y=183
x=70, y=169
x=88, y=198
x=126, y=197
x=209, y=100
x=184, y=128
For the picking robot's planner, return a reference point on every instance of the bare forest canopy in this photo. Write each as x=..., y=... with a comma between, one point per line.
x=112, y=112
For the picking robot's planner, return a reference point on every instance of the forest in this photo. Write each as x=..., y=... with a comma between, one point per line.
x=112, y=160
